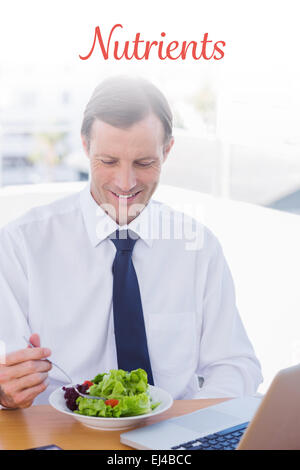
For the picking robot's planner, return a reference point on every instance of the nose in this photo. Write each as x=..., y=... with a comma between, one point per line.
x=125, y=178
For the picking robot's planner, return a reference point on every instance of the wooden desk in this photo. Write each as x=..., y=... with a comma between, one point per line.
x=42, y=425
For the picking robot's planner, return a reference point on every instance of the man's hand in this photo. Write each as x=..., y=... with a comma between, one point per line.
x=23, y=375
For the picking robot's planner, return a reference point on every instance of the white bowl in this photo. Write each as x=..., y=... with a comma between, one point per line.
x=57, y=400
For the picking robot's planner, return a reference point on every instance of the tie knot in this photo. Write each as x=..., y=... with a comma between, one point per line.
x=124, y=240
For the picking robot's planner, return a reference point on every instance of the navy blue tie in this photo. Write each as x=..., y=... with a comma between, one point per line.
x=130, y=333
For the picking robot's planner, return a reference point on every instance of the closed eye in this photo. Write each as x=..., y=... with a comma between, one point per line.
x=141, y=164
x=144, y=164
x=111, y=162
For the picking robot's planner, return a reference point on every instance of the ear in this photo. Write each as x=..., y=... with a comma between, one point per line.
x=167, y=148
x=85, y=145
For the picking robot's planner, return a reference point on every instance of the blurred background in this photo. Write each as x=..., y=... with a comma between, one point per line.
x=237, y=139
x=236, y=120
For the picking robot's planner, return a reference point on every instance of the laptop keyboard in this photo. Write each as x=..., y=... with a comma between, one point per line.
x=227, y=439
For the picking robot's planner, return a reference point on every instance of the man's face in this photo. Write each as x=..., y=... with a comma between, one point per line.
x=126, y=162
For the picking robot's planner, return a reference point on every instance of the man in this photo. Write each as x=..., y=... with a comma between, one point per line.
x=109, y=278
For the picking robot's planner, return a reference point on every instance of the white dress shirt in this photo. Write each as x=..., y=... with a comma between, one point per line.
x=56, y=280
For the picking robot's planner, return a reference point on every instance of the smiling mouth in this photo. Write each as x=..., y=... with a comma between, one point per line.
x=125, y=197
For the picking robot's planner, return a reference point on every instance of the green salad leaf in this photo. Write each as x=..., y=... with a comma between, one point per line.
x=119, y=383
x=129, y=388
x=127, y=406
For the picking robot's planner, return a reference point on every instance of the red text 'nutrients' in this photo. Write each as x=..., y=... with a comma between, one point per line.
x=140, y=50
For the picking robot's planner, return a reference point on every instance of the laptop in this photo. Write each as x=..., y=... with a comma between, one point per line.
x=271, y=422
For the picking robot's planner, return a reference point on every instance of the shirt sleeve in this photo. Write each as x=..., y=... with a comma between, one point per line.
x=13, y=291
x=227, y=360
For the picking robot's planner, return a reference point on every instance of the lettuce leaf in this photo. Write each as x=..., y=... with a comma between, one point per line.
x=127, y=406
x=120, y=383
x=130, y=388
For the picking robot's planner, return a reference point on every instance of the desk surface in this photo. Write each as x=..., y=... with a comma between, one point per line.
x=42, y=425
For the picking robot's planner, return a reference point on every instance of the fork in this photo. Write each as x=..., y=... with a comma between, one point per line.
x=84, y=395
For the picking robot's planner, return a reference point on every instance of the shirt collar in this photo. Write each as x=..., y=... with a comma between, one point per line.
x=99, y=225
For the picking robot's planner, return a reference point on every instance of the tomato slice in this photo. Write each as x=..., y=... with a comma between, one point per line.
x=111, y=402
x=88, y=382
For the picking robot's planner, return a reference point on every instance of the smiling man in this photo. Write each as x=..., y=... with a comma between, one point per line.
x=110, y=278
x=125, y=163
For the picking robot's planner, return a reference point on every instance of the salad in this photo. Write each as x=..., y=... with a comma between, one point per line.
x=126, y=393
